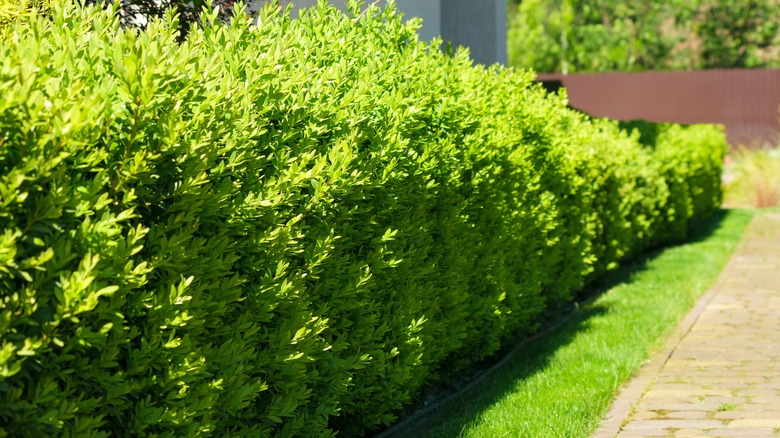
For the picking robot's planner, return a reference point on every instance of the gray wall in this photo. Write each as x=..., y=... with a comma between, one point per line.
x=428, y=10
x=479, y=25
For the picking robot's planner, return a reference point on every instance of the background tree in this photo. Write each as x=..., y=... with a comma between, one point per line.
x=633, y=35
x=136, y=13
x=589, y=35
x=736, y=34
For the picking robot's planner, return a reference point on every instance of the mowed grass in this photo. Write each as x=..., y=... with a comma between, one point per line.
x=561, y=384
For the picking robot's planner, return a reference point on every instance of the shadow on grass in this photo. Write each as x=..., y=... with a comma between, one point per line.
x=451, y=414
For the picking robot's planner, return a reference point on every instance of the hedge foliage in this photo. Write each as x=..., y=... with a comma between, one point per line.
x=291, y=228
x=10, y=10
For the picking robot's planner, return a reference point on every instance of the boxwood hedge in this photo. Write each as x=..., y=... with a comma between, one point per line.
x=292, y=227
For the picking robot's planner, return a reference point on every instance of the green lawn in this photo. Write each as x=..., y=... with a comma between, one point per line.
x=561, y=383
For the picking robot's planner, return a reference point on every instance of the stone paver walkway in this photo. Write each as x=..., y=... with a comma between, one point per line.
x=719, y=375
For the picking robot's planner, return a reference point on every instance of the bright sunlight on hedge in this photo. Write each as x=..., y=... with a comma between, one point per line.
x=291, y=228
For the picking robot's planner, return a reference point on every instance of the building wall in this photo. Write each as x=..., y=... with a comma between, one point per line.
x=478, y=25
x=429, y=11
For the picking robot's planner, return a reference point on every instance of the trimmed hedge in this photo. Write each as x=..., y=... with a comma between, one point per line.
x=291, y=228
x=687, y=168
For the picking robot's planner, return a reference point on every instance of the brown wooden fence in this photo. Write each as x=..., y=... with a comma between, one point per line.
x=745, y=101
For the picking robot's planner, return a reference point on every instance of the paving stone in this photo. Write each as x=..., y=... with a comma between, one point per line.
x=689, y=432
x=772, y=400
x=723, y=400
x=677, y=387
x=676, y=424
x=688, y=393
x=645, y=415
x=755, y=422
x=657, y=433
x=689, y=415
x=758, y=392
x=758, y=432
x=674, y=406
x=747, y=412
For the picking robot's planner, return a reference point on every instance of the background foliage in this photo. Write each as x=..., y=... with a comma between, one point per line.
x=608, y=35
x=291, y=228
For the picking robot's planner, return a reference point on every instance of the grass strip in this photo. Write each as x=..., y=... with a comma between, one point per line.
x=562, y=383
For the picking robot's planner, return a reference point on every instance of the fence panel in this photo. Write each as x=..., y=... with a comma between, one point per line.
x=745, y=101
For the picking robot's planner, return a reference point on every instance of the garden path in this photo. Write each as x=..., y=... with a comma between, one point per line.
x=719, y=374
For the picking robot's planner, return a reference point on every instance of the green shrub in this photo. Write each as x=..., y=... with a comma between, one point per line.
x=691, y=158
x=10, y=10
x=289, y=228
